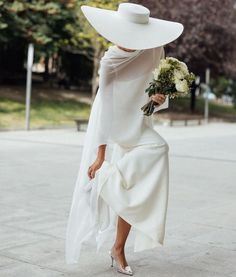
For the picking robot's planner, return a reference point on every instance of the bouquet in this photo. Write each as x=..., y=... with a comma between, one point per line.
x=172, y=78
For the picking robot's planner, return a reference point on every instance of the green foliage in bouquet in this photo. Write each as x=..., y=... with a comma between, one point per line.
x=172, y=78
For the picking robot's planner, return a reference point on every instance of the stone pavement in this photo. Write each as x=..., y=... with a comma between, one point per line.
x=38, y=170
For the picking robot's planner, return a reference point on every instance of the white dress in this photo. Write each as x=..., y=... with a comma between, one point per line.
x=133, y=181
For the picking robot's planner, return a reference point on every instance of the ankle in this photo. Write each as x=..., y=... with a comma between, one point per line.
x=119, y=249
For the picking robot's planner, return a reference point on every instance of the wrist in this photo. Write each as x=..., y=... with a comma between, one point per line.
x=155, y=103
x=100, y=159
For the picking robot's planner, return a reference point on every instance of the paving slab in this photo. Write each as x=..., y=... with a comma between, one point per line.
x=21, y=268
x=215, y=259
x=38, y=170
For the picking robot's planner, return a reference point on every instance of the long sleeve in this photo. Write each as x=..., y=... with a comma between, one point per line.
x=105, y=94
x=164, y=105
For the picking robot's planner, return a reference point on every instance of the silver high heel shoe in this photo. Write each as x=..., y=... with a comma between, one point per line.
x=127, y=270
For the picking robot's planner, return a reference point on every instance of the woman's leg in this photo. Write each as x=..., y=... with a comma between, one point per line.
x=118, y=248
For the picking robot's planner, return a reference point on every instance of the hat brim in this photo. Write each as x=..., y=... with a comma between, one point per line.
x=120, y=31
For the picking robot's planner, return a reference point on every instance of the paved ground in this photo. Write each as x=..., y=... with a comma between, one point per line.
x=37, y=174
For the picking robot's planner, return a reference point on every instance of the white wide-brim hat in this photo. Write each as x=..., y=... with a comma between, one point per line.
x=132, y=27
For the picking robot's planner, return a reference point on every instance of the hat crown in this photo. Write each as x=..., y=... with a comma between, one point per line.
x=134, y=13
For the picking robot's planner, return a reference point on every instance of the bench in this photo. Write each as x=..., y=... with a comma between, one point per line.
x=80, y=122
x=186, y=120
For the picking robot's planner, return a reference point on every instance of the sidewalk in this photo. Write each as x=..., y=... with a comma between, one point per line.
x=38, y=170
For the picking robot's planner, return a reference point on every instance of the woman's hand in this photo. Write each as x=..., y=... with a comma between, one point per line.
x=98, y=162
x=94, y=167
x=159, y=98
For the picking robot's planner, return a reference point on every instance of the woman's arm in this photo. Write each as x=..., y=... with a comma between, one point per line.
x=98, y=162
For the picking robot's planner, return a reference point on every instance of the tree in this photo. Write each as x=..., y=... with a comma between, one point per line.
x=47, y=24
x=54, y=26
x=209, y=36
x=91, y=40
x=42, y=22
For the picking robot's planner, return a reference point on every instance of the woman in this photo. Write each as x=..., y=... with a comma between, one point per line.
x=124, y=172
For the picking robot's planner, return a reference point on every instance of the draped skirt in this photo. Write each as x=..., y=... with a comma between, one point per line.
x=133, y=184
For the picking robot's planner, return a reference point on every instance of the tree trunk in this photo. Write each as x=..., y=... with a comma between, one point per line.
x=96, y=62
x=193, y=98
x=46, y=73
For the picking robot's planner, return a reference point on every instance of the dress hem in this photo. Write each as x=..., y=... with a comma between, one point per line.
x=101, y=184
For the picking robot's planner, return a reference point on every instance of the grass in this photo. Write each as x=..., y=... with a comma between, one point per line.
x=44, y=113
x=215, y=109
x=58, y=108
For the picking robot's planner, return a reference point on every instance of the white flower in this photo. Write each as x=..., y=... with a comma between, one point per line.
x=183, y=68
x=156, y=73
x=172, y=59
x=182, y=86
x=178, y=75
x=164, y=64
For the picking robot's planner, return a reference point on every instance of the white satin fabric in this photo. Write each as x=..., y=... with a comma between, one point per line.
x=134, y=178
